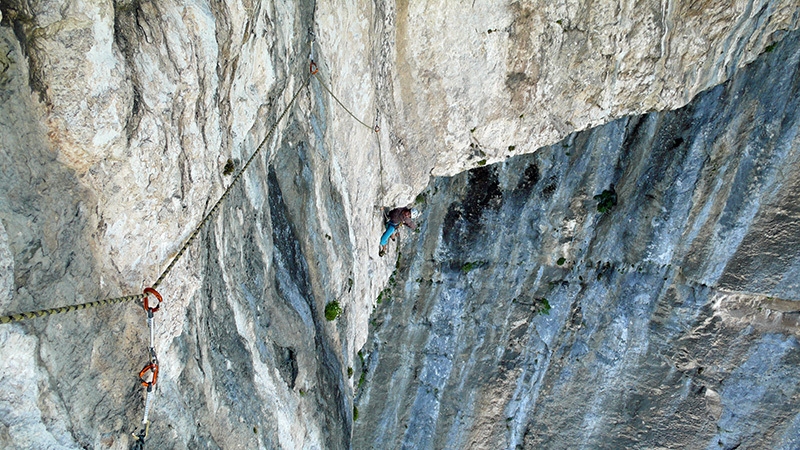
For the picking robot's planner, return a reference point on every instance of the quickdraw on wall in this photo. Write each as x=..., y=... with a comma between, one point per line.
x=152, y=299
x=148, y=376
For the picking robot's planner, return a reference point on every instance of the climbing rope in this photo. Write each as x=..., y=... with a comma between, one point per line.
x=148, y=376
x=380, y=154
x=376, y=127
x=48, y=312
x=315, y=71
x=380, y=161
x=228, y=190
x=110, y=301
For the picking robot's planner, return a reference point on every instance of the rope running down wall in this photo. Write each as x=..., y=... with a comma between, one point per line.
x=375, y=128
x=111, y=301
x=18, y=317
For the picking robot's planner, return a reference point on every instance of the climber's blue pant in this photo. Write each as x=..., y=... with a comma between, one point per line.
x=390, y=229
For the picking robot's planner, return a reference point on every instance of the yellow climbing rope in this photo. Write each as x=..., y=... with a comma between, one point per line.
x=228, y=190
x=110, y=301
x=48, y=312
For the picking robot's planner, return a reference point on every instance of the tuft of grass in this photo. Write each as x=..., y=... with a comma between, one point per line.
x=355, y=413
x=538, y=305
x=770, y=47
x=482, y=162
x=511, y=147
x=606, y=200
x=229, y=166
x=470, y=266
x=362, y=378
x=561, y=261
x=332, y=310
x=543, y=306
x=385, y=294
x=349, y=372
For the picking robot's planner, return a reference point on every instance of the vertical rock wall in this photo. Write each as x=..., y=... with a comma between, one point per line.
x=119, y=120
x=119, y=123
x=521, y=317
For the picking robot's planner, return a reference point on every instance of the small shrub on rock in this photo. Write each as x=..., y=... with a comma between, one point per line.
x=332, y=310
x=606, y=200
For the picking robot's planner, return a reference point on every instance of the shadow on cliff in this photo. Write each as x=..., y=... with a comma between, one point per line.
x=660, y=327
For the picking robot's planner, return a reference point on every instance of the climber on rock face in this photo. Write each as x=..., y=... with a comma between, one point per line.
x=396, y=218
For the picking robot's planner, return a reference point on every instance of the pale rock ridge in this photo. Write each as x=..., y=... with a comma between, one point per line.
x=487, y=81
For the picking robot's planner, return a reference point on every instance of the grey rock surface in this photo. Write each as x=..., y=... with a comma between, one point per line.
x=522, y=317
x=487, y=80
x=84, y=220
x=119, y=121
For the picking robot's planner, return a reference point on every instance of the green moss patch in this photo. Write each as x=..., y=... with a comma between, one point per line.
x=332, y=310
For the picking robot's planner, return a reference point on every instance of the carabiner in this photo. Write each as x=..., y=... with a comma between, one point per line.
x=154, y=369
x=146, y=303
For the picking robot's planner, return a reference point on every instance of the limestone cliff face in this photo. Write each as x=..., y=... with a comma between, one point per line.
x=475, y=81
x=521, y=317
x=120, y=119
